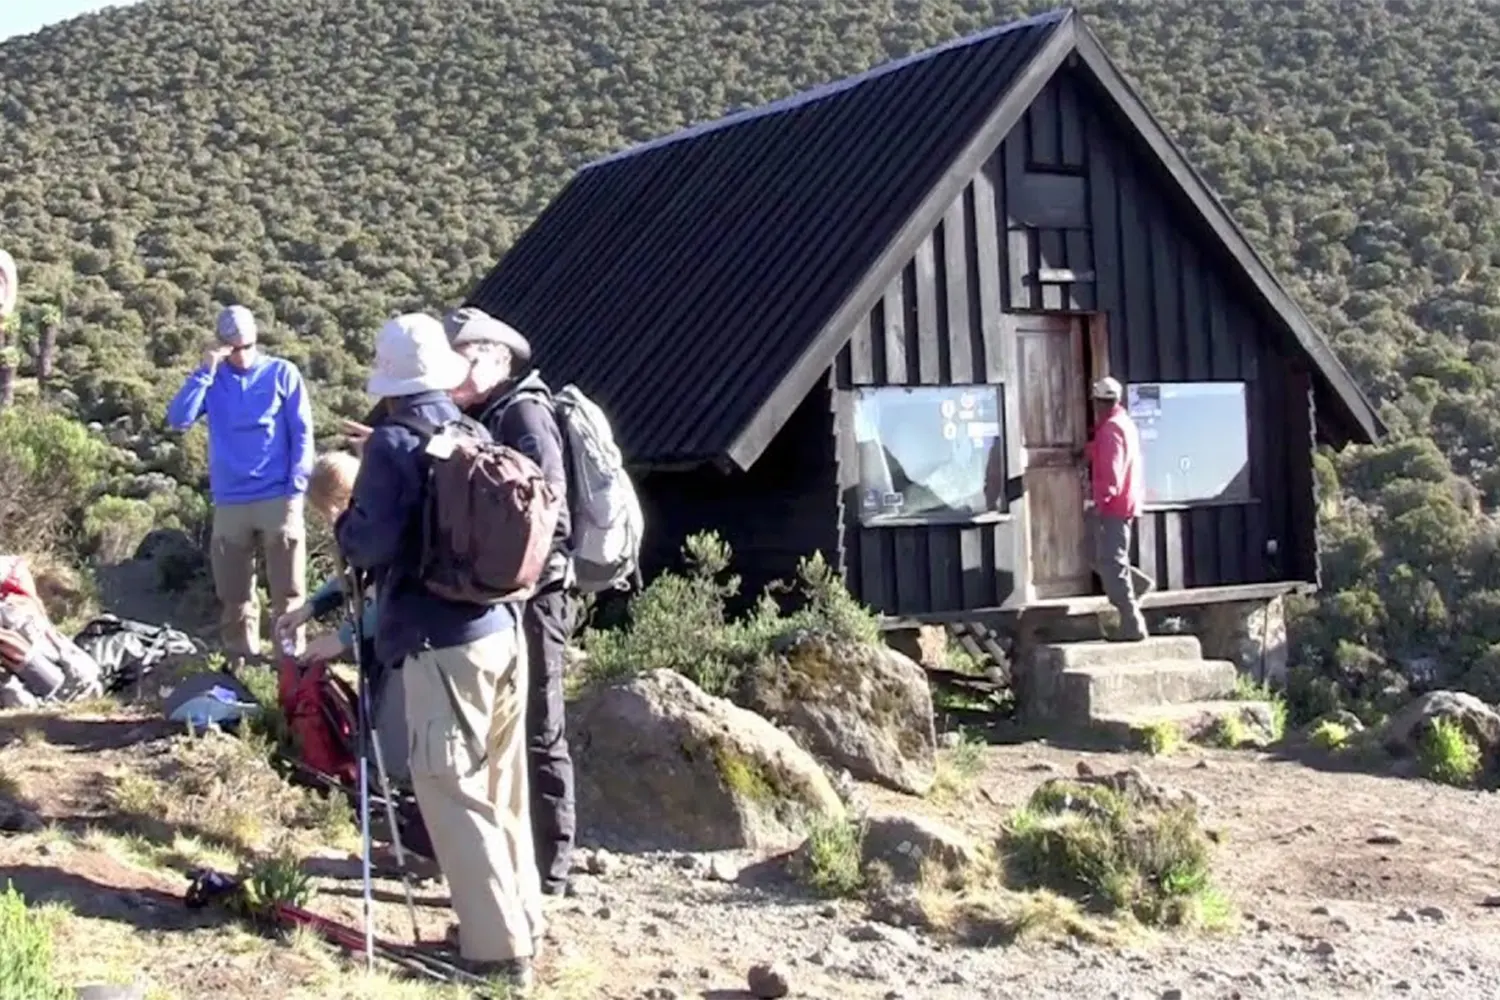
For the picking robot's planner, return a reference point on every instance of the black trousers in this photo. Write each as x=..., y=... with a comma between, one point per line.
x=548, y=622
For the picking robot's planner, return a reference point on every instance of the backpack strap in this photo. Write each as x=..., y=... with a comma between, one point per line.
x=420, y=426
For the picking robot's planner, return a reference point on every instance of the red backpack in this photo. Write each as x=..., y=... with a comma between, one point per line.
x=322, y=716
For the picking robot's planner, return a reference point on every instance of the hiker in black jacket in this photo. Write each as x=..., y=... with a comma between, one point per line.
x=515, y=405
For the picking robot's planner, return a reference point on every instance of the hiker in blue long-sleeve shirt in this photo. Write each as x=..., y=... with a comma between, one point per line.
x=260, y=454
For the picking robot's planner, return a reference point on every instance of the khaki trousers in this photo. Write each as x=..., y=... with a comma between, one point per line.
x=465, y=718
x=277, y=527
x=1124, y=585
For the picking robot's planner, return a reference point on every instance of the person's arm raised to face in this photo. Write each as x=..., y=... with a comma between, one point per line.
x=187, y=406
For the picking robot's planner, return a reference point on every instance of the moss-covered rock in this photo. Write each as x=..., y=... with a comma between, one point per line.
x=858, y=706
x=661, y=764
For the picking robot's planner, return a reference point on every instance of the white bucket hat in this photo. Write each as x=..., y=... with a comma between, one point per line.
x=411, y=356
x=9, y=286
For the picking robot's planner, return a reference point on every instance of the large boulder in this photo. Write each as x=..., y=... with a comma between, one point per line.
x=663, y=765
x=863, y=707
x=1404, y=732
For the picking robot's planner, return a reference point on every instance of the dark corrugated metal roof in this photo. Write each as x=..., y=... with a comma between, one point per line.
x=679, y=281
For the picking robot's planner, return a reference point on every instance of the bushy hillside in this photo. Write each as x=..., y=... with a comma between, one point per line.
x=329, y=161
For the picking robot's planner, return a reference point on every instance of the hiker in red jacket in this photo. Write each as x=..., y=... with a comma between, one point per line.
x=1118, y=487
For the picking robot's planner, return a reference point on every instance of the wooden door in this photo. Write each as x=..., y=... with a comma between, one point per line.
x=1053, y=383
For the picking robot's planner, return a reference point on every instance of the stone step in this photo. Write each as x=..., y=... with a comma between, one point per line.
x=1088, y=692
x=1098, y=653
x=1195, y=720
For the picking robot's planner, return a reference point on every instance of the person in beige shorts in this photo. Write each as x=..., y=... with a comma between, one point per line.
x=260, y=448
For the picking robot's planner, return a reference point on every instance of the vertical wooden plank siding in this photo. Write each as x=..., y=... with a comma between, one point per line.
x=1175, y=311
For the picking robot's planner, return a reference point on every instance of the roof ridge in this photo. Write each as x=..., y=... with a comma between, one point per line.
x=826, y=90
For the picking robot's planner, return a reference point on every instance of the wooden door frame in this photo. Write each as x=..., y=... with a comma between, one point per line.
x=1096, y=338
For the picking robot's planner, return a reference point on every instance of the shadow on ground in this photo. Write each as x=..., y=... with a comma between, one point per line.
x=106, y=894
x=85, y=735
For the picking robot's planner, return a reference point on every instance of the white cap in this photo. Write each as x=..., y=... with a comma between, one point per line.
x=411, y=356
x=1107, y=388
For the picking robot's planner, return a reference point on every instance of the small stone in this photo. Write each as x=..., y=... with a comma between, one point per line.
x=1323, y=948
x=1172, y=994
x=667, y=974
x=1202, y=765
x=1339, y=923
x=1401, y=985
x=1320, y=911
x=704, y=972
x=1433, y=913
x=604, y=913
x=1384, y=837
x=687, y=862
x=651, y=930
x=600, y=863
x=111, y=993
x=1042, y=766
x=722, y=869
x=1405, y=916
x=949, y=740
x=831, y=912
x=1263, y=925
x=1491, y=901
x=1084, y=770
x=884, y=933
x=955, y=977
x=662, y=993
x=819, y=957
x=768, y=981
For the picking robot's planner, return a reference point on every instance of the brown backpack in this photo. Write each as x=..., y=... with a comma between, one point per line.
x=488, y=515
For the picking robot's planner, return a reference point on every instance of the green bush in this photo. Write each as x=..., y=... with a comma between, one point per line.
x=831, y=860
x=114, y=527
x=1448, y=754
x=1330, y=735
x=680, y=622
x=49, y=465
x=1120, y=855
x=25, y=952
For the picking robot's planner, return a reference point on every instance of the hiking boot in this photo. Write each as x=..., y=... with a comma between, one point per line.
x=515, y=974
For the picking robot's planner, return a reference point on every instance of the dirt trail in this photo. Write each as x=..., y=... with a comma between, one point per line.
x=1349, y=885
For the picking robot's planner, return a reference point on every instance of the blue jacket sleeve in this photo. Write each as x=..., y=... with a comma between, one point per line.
x=187, y=406
x=387, y=493
x=297, y=412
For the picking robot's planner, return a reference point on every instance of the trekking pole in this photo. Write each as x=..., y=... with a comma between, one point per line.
x=355, y=598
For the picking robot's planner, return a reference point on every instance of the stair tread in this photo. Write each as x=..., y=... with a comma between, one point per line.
x=1148, y=668
x=1146, y=643
x=1181, y=710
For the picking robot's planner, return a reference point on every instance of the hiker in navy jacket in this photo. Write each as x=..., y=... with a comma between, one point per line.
x=260, y=453
x=463, y=665
x=515, y=406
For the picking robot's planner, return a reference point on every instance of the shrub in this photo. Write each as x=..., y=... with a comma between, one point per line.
x=830, y=862
x=1120, y=855
x=115, y=526
x=680, y=622
x=25, y=952
x=49, y=464
x=1330, y=735
x=1160, y=738
x=1448, y=754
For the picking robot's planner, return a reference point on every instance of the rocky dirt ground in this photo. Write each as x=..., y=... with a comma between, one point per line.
x=1344, y=884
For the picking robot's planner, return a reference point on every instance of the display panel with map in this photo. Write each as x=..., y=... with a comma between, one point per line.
x=1195, y=441
x=930, y=453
